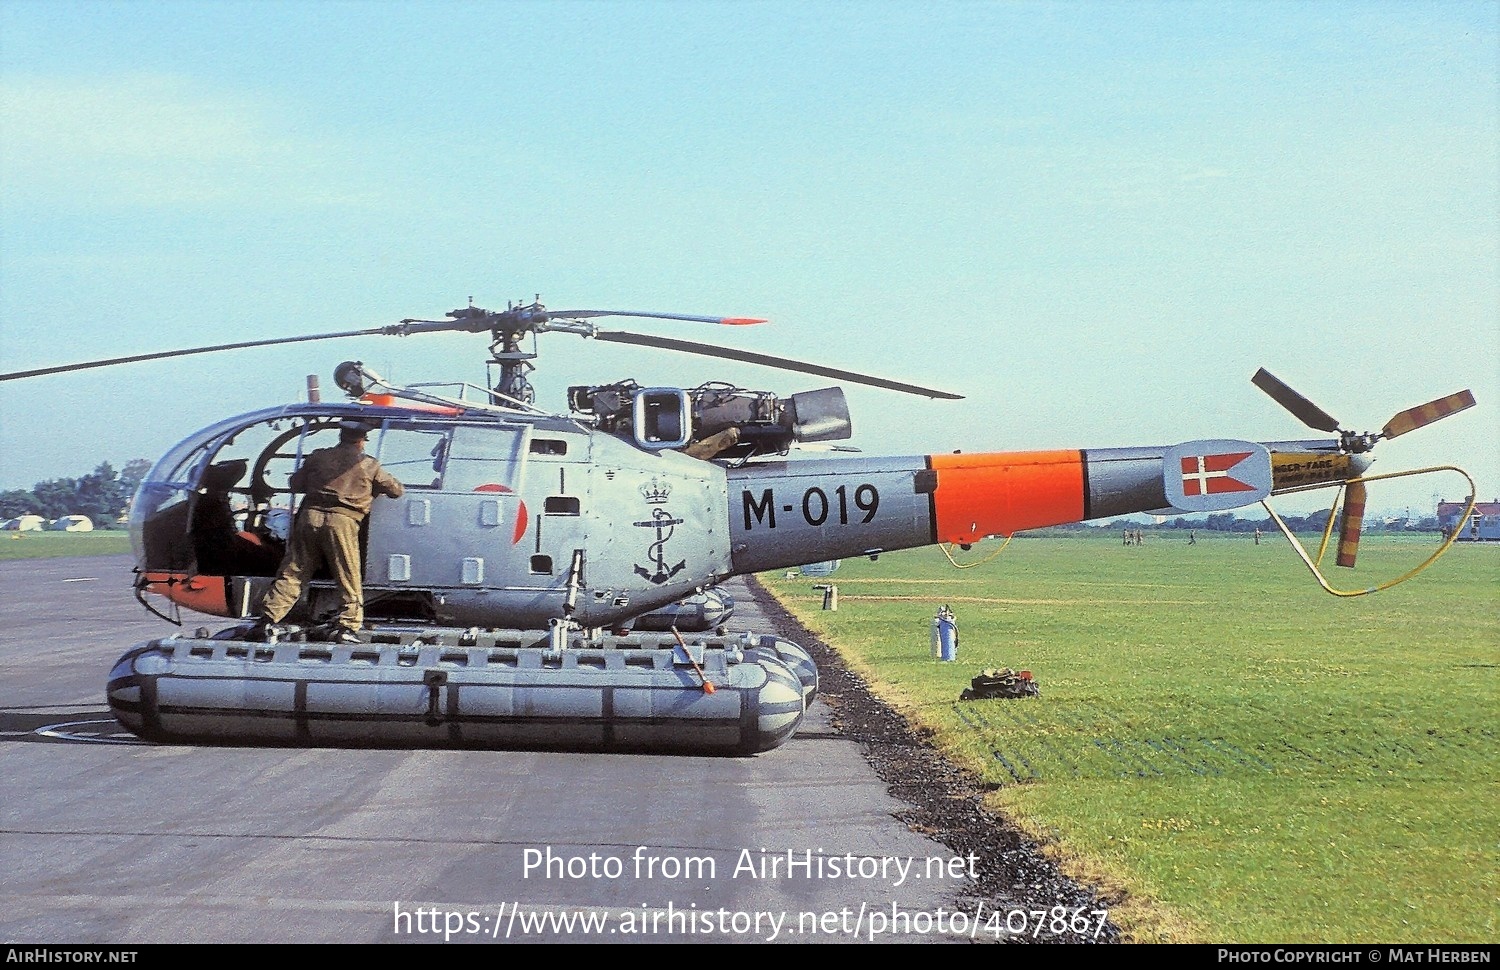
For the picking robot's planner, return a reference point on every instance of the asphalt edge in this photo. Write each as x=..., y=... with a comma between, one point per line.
x=945, y=801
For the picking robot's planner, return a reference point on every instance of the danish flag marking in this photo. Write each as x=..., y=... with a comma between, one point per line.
x=1209, y=474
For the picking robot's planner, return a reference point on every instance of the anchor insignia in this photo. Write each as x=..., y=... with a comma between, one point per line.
x=656, y=494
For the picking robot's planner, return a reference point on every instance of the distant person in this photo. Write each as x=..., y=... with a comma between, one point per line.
x=340, y=484
x=1192, y=538
x=1257, y=537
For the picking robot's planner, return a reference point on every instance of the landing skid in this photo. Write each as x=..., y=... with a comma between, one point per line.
x=427, y=686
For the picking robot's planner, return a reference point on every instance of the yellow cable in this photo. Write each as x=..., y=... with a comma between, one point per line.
x=1333, y=513
x=971, y=565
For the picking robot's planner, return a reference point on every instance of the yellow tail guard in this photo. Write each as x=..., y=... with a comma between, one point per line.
x=1354, y=510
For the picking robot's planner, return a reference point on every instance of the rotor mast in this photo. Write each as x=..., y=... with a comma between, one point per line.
x=508, y=329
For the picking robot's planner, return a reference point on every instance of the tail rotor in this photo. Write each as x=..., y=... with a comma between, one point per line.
x=1351, y=518
x=1352, y=442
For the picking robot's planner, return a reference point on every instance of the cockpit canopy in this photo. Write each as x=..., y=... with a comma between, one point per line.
x=220, y=503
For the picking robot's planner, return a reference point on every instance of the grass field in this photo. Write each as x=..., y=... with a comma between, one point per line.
x=43, y=545
x=1249, y=758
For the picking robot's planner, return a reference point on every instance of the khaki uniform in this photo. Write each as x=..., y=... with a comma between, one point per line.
x=340, y=485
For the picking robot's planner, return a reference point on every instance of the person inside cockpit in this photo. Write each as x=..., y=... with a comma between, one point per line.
x=222, y=548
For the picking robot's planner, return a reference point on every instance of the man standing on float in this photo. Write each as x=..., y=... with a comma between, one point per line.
x=340, y=485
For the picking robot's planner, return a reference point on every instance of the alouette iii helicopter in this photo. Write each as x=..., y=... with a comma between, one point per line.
x=500, y=589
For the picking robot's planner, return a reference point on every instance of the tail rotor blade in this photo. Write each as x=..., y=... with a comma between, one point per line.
x=1413, y=418
x=1350, y=523
x=1304, y=410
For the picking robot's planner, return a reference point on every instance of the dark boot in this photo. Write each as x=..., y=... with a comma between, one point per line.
x=265, y=630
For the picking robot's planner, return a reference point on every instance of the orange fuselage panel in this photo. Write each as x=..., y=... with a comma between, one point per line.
x=999, y=494
x=206, y=594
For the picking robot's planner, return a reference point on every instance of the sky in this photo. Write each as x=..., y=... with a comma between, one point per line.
x=1095, y=220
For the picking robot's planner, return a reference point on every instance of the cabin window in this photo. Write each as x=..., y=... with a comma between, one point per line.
x=416, y=456
x=485, y=459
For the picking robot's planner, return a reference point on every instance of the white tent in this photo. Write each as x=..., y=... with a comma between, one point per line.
x=72, y=523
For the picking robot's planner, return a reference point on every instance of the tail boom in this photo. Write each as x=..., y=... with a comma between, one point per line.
x=789, y=513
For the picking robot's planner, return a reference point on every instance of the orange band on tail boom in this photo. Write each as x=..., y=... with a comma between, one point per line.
x=1001, y=494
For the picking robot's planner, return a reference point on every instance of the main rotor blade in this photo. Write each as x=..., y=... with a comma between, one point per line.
x=724, y=321
x=765, y=360
x=1304, y=410
x=1424, y=414
x=1350, y=523
x=162, y=355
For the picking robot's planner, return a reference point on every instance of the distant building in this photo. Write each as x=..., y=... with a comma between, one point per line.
x=1483, y=524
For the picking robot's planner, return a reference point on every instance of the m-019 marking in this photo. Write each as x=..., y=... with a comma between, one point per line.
x=816, y=505
x=824, y=509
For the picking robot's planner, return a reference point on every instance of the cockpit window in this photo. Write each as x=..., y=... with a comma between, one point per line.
x=216, y=500
x=271, y=469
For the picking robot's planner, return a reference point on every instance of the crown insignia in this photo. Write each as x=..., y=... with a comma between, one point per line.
x=656, y=492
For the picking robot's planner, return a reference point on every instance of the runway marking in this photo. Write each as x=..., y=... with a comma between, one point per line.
x=83, y=579
x=863, y=597
x=62, y=733
x=125, y=903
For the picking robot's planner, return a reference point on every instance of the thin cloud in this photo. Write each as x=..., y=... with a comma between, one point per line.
x=1200, y=174
x=153, y=140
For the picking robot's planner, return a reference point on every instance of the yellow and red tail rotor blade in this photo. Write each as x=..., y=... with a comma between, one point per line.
x=1413, y=418
x=1350, y=523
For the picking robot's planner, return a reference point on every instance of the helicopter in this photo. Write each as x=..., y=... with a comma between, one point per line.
x=501, y=587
